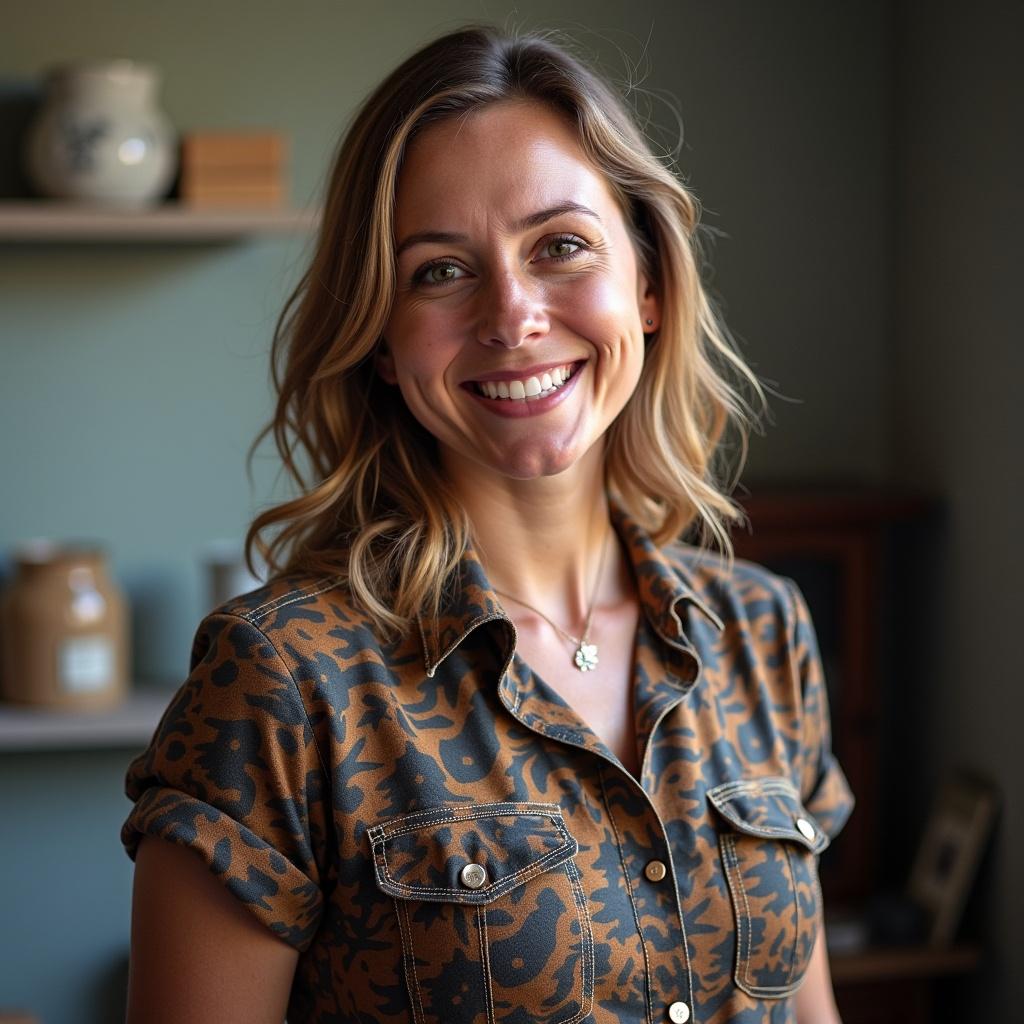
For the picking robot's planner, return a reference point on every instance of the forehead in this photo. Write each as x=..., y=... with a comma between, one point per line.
x=496, y=163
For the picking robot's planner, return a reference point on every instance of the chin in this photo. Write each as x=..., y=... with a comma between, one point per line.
x=530, y=462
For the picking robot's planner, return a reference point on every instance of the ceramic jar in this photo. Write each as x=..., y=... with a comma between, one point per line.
x=63, y=629
x=99, y=136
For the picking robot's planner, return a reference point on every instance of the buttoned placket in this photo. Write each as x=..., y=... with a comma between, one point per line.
x=634, y=819
x=628, y=803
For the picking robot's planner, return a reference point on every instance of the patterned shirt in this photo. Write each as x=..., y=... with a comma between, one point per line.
x=442, y=837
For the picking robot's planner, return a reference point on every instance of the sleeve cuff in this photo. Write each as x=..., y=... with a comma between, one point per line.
x=284, y=898
x=831, y=801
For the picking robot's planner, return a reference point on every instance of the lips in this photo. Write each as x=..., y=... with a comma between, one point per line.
x=524, y=385
x=528, y=405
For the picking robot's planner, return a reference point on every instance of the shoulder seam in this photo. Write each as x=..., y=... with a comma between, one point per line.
x=318, y=586
x=295, y=687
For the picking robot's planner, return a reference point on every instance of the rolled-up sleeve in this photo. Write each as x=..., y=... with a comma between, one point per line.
x=824, y=789
x=233, y=773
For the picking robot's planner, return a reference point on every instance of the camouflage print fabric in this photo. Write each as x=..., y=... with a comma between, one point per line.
x=444, y=840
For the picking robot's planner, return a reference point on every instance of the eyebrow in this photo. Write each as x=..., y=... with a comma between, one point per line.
x=531, y=220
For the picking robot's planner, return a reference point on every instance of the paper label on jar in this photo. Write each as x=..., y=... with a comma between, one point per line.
x=85, y=664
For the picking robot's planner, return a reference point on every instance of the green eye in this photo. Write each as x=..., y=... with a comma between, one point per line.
x=562, y=247
x=437, y=274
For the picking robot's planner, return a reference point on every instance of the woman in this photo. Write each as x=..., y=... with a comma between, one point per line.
x=489, y=746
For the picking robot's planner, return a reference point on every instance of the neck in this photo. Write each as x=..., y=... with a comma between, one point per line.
x=540, y=540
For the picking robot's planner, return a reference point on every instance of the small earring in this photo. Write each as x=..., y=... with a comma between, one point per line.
x=649, y=321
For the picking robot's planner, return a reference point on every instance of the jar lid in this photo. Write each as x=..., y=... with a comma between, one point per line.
x=118, y=69
x=44, y=551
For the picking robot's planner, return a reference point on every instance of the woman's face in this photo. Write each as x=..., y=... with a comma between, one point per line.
x=515, y=270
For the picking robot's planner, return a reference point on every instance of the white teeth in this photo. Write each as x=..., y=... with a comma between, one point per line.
x=531, y=387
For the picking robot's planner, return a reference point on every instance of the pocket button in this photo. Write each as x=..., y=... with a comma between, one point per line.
x=806, y=828
x=473, y=876
x=679, y=1013
x=655, y=871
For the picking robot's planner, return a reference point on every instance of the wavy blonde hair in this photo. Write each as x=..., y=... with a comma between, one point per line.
x=374, y=508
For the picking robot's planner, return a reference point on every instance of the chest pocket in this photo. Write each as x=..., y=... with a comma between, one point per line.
x=492, y=915
x=768, y=843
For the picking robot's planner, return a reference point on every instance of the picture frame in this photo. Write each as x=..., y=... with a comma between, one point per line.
x=947, y=859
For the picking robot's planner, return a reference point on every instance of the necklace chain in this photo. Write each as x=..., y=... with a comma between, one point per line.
x=585, y=656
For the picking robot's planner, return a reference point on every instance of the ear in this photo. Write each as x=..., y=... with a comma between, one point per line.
x=649, y=305
x=384, y=362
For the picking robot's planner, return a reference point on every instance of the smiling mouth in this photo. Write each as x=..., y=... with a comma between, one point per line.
x=529, y=387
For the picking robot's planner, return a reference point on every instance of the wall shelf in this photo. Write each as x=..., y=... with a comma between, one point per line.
x=52, y=220
x=130, y=724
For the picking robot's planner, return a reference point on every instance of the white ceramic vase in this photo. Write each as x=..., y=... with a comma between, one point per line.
x=100, y=136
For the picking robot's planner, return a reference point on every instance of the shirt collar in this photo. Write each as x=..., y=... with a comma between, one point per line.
x=469, y=602
x=664, y=586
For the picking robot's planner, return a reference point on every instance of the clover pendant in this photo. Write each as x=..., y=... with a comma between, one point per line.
x=586, y=657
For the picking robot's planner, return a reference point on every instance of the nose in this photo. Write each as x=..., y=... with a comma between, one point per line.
x=511, y=310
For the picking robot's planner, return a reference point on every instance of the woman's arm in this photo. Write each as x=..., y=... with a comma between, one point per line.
x=196, y=953
x=815, y=1002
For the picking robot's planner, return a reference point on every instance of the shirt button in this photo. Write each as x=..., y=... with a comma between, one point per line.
x=473, y=876
x=679, y=1013
x=806, y=828
x=655, y=871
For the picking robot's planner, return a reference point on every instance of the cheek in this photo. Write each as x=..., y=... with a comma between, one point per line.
x=604, y=303
x=616, y=330
x=420, y=349
x=606, y=315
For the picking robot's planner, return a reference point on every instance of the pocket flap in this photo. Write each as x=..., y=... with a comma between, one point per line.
x=423, y=855
x=769, y=808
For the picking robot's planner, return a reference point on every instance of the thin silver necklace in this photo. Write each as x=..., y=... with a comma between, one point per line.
x=585, y=655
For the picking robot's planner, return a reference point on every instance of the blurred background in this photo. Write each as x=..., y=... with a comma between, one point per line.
x=859, y=166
